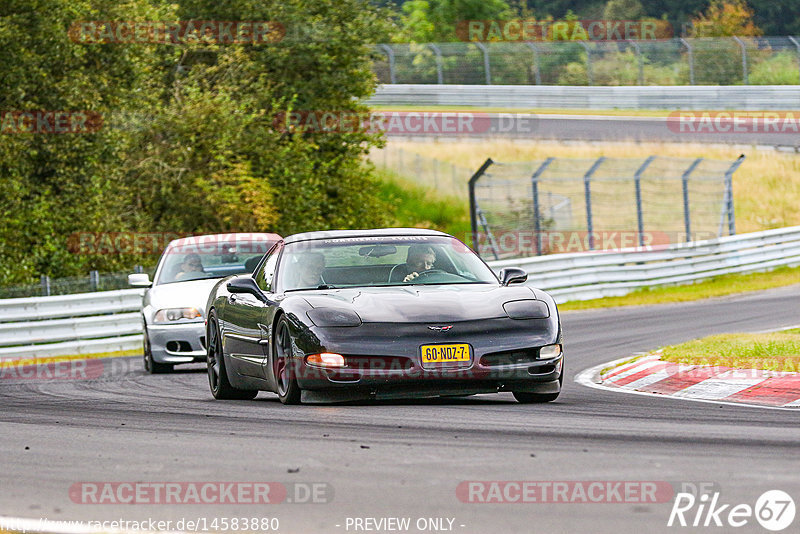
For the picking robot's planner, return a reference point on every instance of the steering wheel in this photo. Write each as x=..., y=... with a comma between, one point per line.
x=429, y=272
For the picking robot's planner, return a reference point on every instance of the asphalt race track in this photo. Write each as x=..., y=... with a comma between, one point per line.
x=405, y=459
x=617, y=128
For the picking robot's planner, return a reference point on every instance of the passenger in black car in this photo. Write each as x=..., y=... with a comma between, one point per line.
x=420, y=258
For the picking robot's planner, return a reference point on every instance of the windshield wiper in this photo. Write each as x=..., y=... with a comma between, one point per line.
x=326, y=286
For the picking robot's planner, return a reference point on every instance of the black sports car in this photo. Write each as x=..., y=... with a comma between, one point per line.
x=391, y=313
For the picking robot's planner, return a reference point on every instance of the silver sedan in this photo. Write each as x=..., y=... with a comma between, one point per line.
x=173, y=312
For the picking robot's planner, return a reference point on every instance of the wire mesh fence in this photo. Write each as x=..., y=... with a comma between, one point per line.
x=678, y=61
x=575, y=205
x=430, y=173
x=48, y=286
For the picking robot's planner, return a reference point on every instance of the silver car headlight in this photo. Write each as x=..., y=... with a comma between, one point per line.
x=173, y=315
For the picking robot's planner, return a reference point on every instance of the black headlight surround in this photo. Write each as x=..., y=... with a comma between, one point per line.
x=527, y=309
x=330, y=317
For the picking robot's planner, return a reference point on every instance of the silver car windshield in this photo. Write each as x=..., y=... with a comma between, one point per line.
x=380, y=261
x=185, y=263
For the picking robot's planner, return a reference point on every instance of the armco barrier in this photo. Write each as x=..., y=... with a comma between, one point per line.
x=583, y=276
x=109, y=321
x=691, y=97
x=83, y=323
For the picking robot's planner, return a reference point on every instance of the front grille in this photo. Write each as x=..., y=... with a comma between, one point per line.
x=511, y=357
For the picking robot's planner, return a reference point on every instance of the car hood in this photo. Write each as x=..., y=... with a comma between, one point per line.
x=190, y=294
x=422, y=303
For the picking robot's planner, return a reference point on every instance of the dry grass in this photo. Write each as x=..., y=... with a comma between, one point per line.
x=766, y=187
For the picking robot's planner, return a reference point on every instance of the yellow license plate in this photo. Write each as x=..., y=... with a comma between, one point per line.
x=456, y=352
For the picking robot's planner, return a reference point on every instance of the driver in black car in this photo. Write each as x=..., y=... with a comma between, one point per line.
x=420, y=258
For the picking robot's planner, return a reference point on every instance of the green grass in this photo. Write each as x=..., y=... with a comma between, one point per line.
x=775, y=351
x=411, y=205
x=715, y=287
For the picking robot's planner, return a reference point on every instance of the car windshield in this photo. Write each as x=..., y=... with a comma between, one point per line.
x=380, y=261
x=197, y=261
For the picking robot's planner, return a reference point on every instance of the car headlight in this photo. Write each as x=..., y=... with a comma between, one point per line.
x=173, y=315
x=527, y=309
x=549, y=351
x=333, y=317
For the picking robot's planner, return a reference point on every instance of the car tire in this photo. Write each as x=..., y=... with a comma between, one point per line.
x=150, y=365
x=288, y=391
x=218, y=381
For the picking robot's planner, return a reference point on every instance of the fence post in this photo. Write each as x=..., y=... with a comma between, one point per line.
x=537, y=226
x=797, y=45
x=94, y=280
x=589, y=75
x=45, y=281
x=390, y=55
x=690, y=54
x=587, y=191
x=439, y=74
x=486, y=64
x=638, y=181
x=537, y=74
x=473, y=204
x=729, y=189
x=639, y=60
x=744, y=58
x=687, y=222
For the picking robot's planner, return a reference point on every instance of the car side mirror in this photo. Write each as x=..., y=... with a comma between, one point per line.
x=139, y=280
x=246, y=284
x=512, y=275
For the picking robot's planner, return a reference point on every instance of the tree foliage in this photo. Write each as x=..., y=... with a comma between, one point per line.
x=190, y=142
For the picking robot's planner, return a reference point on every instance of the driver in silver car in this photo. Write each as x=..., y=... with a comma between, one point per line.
x=420, y=258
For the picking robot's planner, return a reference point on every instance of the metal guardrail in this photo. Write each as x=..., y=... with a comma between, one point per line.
x=739, y=97
x=84, y=323
x=584, y=276
x=107, y=321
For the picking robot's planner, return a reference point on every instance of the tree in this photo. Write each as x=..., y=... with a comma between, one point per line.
x=427, y=21
x=725, y=18
x=623, y=10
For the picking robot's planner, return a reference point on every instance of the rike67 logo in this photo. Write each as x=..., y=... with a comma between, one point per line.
x=774, y=510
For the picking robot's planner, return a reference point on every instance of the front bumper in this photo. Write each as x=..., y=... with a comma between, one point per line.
x=178, y=343
x=392, y=367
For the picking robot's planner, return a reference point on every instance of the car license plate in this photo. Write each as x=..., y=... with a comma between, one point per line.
x=455, y=352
